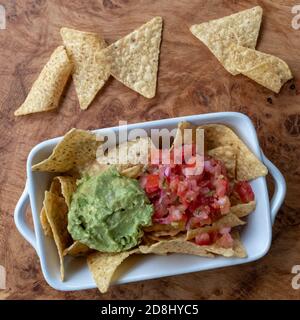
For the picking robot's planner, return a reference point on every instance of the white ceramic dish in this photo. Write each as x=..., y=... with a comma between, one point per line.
x=256, y=235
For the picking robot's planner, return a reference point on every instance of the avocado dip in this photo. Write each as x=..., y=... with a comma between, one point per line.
x=108, y=211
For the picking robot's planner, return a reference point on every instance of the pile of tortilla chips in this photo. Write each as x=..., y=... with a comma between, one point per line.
x=133, y=60
x=75, y=155
x=232, y=40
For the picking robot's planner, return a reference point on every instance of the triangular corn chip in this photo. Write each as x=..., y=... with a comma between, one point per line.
x=229, y=220
x=68, y=187
x=88, y=74
x=47, y=89
x=56, y=212
x=243, y=209
x=180, y=137
x=227, y=155
x=76, y=148
x=175, y=245
x=248, y=166
x=103, y=266
x=265, y=69
x=134, y=58
x=45, y=224
x=77, y=249
x=241, y=28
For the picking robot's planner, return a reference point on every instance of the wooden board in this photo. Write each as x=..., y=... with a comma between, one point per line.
x=191, y=81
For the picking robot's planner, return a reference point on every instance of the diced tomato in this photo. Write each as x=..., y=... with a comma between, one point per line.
x=203, y=239
x=244, y=191
x=183, y=194
x=225, y=240
x=152, y=183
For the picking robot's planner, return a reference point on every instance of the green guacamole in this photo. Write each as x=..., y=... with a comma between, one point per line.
x=108, y=211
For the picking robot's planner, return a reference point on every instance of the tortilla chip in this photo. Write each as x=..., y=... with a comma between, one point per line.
x=47, y=89
x=88, y=74
x=76, y=148
x=133, y=172
x=265, y=69
x=229, y=220
x=77, y=249
x=67, y=187
x=164, y=233
x=175, y=245
x=45, y=224
x=137, y=152
x=179, y=138
x=103, y=266
x=243, y=209
x=56, y=211
x=227, y=155
x=157, y=227
x=248, y=166
x=241, y=28
x=134, y=58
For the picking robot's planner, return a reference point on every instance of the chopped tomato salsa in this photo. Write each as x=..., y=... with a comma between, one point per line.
x=196, y=198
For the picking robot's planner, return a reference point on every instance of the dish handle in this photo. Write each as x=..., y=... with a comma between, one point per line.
x=20, y=221
x=280, y=187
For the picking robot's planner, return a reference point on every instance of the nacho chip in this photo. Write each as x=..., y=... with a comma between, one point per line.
x=103, y=266
x=179, y=138
x=241, y=28
x=229, y=220
x=248, y=166
x=45, y=224
x=227, y=155
x=56, y=211
x=88, y=74
x=76, y=148
x=77, y=249
x=157, y=227
x=175, y=245
x=137, y=152
x=67, y=187
x=133, y=172
x=243, y=209
x=134, y=58
x=265, y=69
x=47, y=89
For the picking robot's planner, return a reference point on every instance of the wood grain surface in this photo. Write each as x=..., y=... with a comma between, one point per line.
x=190, y=81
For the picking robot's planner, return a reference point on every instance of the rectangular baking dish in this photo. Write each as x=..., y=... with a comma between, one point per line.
x=256, y=235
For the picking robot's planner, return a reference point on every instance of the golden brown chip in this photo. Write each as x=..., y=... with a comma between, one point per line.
x=47, y=89
x=248, y=166
x=175, y=245
x=76, y=148
x=265, y=69
x=243, y=209
x=103, y=266
x=156, y=227
x=229, y=220
x=241, y=28
x=45, y=224
x=88, y=74
x=180, y=133
x=133, y=172
x=134, y=58
x=67, y=187
x=77, y=249
x=136, y=151
x=56, y=212
x=227, y=155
